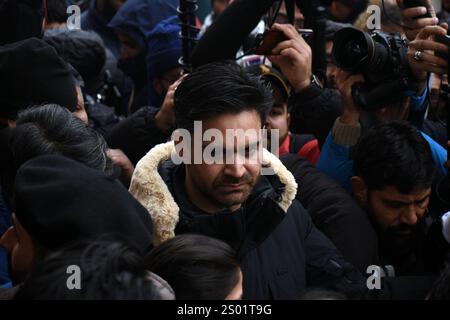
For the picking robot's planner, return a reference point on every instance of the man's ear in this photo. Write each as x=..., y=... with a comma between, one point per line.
x=288, y=119
x=178, y=140
x=359, y=189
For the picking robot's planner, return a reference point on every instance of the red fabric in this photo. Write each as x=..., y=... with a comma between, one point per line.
x=284, y=148
x=309, y=150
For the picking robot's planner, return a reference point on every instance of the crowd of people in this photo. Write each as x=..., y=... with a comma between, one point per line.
x=108, y=191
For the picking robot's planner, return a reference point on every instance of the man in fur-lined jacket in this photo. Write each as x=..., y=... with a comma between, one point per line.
x=280, y=250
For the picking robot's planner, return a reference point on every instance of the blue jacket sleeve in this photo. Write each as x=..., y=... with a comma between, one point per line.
x=439, y=154
x=335, y=161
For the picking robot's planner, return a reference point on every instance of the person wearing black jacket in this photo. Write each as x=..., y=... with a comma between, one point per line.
x=280, y=250
x=334, y=212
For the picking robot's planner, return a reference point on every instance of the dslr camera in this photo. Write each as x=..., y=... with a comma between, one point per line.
x=381, y=58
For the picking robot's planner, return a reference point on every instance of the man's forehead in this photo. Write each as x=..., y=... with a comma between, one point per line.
x=392, y=193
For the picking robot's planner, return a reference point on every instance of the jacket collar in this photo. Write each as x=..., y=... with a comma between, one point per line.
x=253, y=222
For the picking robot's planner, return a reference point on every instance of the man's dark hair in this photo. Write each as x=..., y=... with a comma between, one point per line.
x=57, y=11
x=51, y=129
x=110, y=269
x=196, y=267
x=394, y=154
x=219, y=88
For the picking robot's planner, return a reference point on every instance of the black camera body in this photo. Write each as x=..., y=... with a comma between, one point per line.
x=382, y=59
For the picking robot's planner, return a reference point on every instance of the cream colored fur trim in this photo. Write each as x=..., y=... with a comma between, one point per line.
x=150, y=190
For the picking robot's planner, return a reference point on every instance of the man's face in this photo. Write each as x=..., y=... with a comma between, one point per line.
x=331, y=67
x=278, y=117
x=282, y=17
x=18, y=243
x=81, y=113
x=128, y=47
x=213, y=187
x=391, y=209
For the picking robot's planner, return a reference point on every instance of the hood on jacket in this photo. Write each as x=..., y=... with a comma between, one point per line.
x=137, y=17
x=84, y=50
x=149, y=188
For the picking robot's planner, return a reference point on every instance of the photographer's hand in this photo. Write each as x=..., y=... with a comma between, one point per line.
x=427, y=61
x=414, y=26
x=165, y=117
x=121, y=160
x=293, y=57
x=345, y=81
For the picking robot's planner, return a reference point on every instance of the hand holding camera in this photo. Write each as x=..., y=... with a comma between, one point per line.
x=427, y=52
x=350, y=110
x=417, y=14
x=293, y=56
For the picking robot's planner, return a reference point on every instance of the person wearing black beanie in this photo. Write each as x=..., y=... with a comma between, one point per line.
x=58, y=201
x=32, y=73
x=21, y=19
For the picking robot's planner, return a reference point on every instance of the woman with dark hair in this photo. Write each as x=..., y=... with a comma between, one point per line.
x=197, y=268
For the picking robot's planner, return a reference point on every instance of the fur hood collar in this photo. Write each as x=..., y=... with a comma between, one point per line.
x=149, y=188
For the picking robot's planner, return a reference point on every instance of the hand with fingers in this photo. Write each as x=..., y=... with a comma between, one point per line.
x=165, y=117
x=121, y=160
x=345, y=82
x=294, y=57
x=422, y=54
x=411, y=21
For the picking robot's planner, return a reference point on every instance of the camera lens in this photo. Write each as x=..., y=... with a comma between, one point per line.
x=357, y=52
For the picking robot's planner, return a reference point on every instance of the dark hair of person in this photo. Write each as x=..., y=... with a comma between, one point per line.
x=110, y=269
x=196, y=267
x=51, y=129
x=57, y=11
x=219, y=88
x=394, y=154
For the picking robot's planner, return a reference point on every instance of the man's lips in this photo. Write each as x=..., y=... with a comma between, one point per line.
x=233, y=186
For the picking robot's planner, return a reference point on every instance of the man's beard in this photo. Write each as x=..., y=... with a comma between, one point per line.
x=399, y=241
x=230, y=199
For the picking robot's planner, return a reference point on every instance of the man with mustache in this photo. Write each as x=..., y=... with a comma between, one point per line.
x=280, y=250
x=393, y=172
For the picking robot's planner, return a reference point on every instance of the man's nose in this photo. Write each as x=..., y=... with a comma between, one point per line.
x=235, y=170
x=409, y=217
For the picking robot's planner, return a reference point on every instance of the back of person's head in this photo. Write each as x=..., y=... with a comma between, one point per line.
x=32, y=73
x=58, y=200
x=441, y=288
x=85, y=51
x=196, y=267
x=56, y=11
x=107, y=269
x=20, y=19
x=50, y=129
x=394, y=154
x=219, y=88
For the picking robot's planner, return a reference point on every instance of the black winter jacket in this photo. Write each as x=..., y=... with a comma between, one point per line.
x=281, y=252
